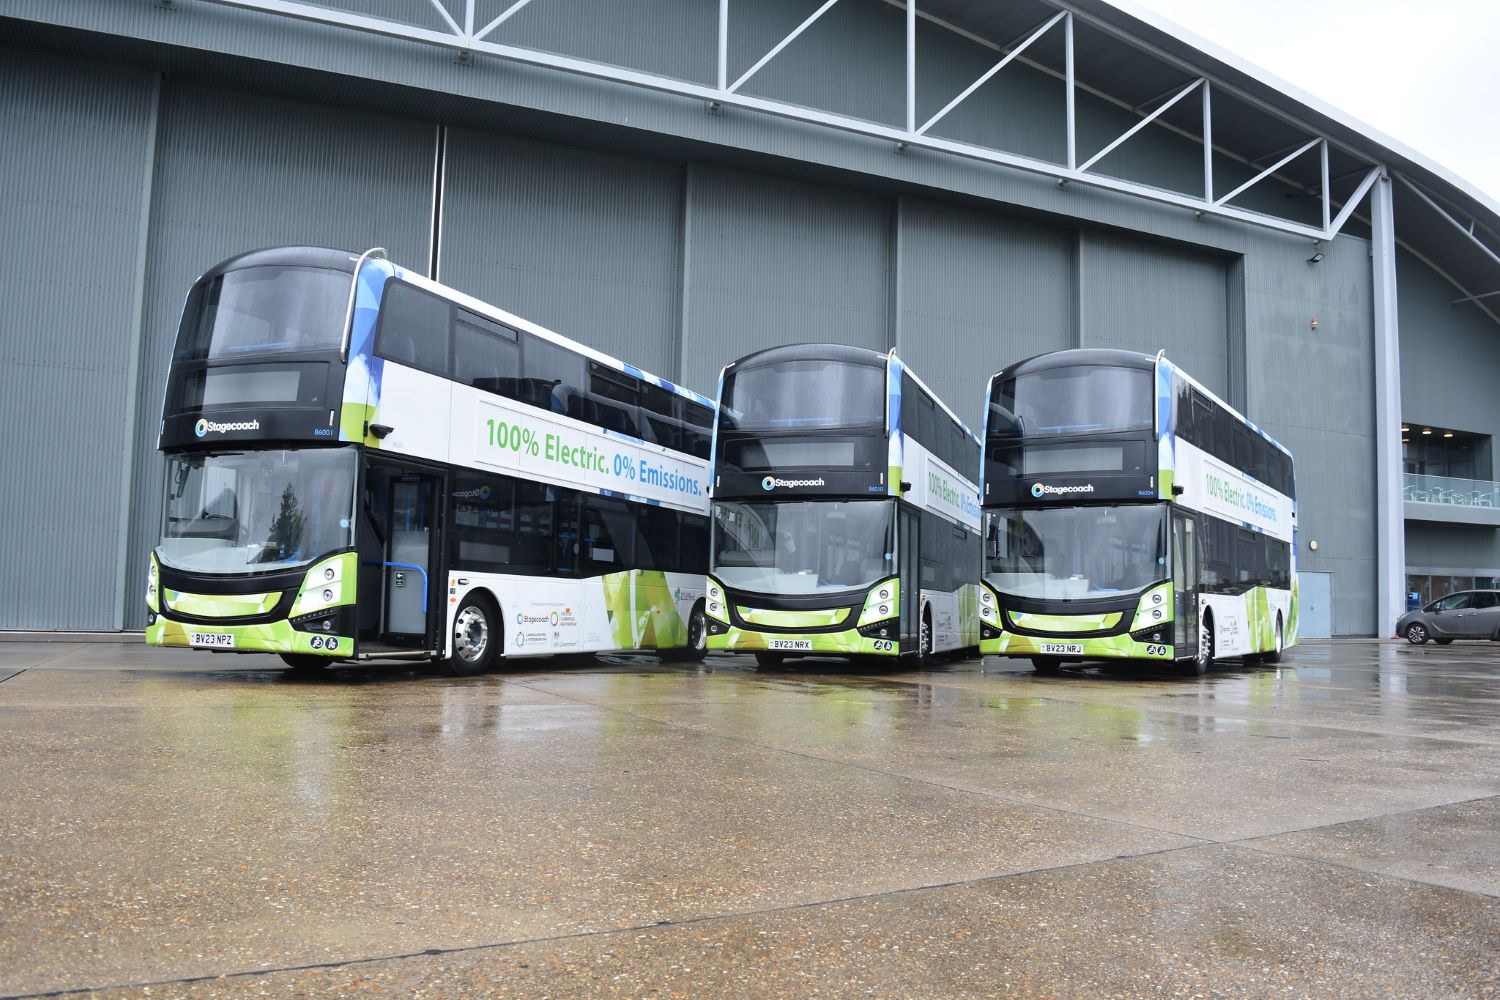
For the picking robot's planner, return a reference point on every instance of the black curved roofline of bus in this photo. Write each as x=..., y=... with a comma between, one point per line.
x=1081, y=356
x=812, y=352
x=294, y=256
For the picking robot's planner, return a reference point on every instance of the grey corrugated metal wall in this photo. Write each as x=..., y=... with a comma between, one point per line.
x=584, y=243
x=72, y=197
x=975, y=293
x=235, y=172
x=772, y=261
x=1143, y=296
x=676, y=266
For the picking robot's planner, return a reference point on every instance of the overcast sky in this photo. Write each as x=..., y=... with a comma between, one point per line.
x=1426, y=74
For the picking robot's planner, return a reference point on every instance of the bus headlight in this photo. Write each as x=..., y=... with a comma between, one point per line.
x=153, y=599
x=1154, y=608
x=323, y=586
x=881, y=603
x=714, y=604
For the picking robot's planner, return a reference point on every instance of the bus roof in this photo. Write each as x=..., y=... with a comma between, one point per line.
x=344, y=260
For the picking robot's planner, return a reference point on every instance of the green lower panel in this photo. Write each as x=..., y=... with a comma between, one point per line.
x=1113, y=647
x=738, y=640
x=271, y=637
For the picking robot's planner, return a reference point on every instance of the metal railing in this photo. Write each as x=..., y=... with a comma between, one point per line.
x=1445, y=489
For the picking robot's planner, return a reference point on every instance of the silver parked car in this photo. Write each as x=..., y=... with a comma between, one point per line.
x=1468, y=614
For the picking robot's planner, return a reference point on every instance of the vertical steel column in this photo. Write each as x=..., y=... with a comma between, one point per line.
x=1208, y=143
x=723, y=45
x=911, y=65
x=1327, y=196
x=124, y=592
x=1390, y=527
x=1068, y=53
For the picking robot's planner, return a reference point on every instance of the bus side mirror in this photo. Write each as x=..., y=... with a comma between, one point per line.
x=905, y=486
x=380, y=430
x=1177, y=488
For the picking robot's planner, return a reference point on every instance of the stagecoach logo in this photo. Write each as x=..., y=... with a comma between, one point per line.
x=483, y=493
x=204, y=427
x=771, y=482
x=524, y=619
x=1040, y=490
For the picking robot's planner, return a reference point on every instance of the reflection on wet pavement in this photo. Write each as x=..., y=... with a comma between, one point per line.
x=618, y=825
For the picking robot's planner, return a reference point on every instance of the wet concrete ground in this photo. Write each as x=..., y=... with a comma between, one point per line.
x=177, y=823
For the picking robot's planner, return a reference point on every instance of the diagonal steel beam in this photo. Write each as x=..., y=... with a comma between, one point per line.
x=985, y=76
x=1288, y=158
x=1484, y=247
x=504, y=16
x=828, y=5
x=447, y=17
x=1332, y=229
x=1142, y=124
x=1473, y=298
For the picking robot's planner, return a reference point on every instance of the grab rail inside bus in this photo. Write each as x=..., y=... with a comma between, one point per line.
x=349, y=310
x=419, y=569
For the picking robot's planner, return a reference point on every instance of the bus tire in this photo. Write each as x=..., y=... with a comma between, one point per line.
x=1274, y=655
x=924, y=641
x=697, y=636
x=1198, y=665
x=476, y=636
x=769, y=660
x=304, y=664
x=1046, y=666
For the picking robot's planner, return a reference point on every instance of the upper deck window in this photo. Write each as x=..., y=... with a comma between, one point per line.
x=1081, y=399
x=803, y=395
x=261, y=310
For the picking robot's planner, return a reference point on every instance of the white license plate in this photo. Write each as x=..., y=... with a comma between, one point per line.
x=212, y=640
x=791, y=644
x=1063, y=648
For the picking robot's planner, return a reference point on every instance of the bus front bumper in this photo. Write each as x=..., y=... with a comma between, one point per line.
x=265, y=637
x=1111, y=647
x=731, y=639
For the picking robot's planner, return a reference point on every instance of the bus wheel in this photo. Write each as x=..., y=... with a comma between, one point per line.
x=924, y=647
x=1274, y=656
x=304, y=664
x=1198, y=665
x=475, y=637
x=1046, y=666
x=697, y=625
x=768, y=660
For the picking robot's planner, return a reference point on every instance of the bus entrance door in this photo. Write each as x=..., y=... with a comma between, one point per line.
x=910, y=568
x=1185, y=557
x=397, y=561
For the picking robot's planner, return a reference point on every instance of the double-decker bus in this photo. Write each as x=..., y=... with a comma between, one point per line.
x=845, y=511
x=363, y=463
x=1131, y=515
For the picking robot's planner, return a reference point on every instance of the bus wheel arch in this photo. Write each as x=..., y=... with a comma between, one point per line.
x=478, y=636
x=697, y=637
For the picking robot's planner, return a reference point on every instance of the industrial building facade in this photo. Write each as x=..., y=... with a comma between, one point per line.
x=680, y=182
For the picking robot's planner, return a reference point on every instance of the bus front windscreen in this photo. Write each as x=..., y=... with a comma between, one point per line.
x=255, y=511
x=810, y=394
x=803, y=547
x=257, y=310
x=1078, y=399
x=1075, y=553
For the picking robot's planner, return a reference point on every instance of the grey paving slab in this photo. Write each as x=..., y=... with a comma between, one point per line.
x=1204, y=922
x=1455, y=845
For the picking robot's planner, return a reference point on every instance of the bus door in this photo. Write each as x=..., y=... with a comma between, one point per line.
x=1187, y=553
x=398, y=557
x=910, y=567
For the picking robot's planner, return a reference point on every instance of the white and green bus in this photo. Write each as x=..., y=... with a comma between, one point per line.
x=1131, y=515
x=362, y=463
x=845, y=510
